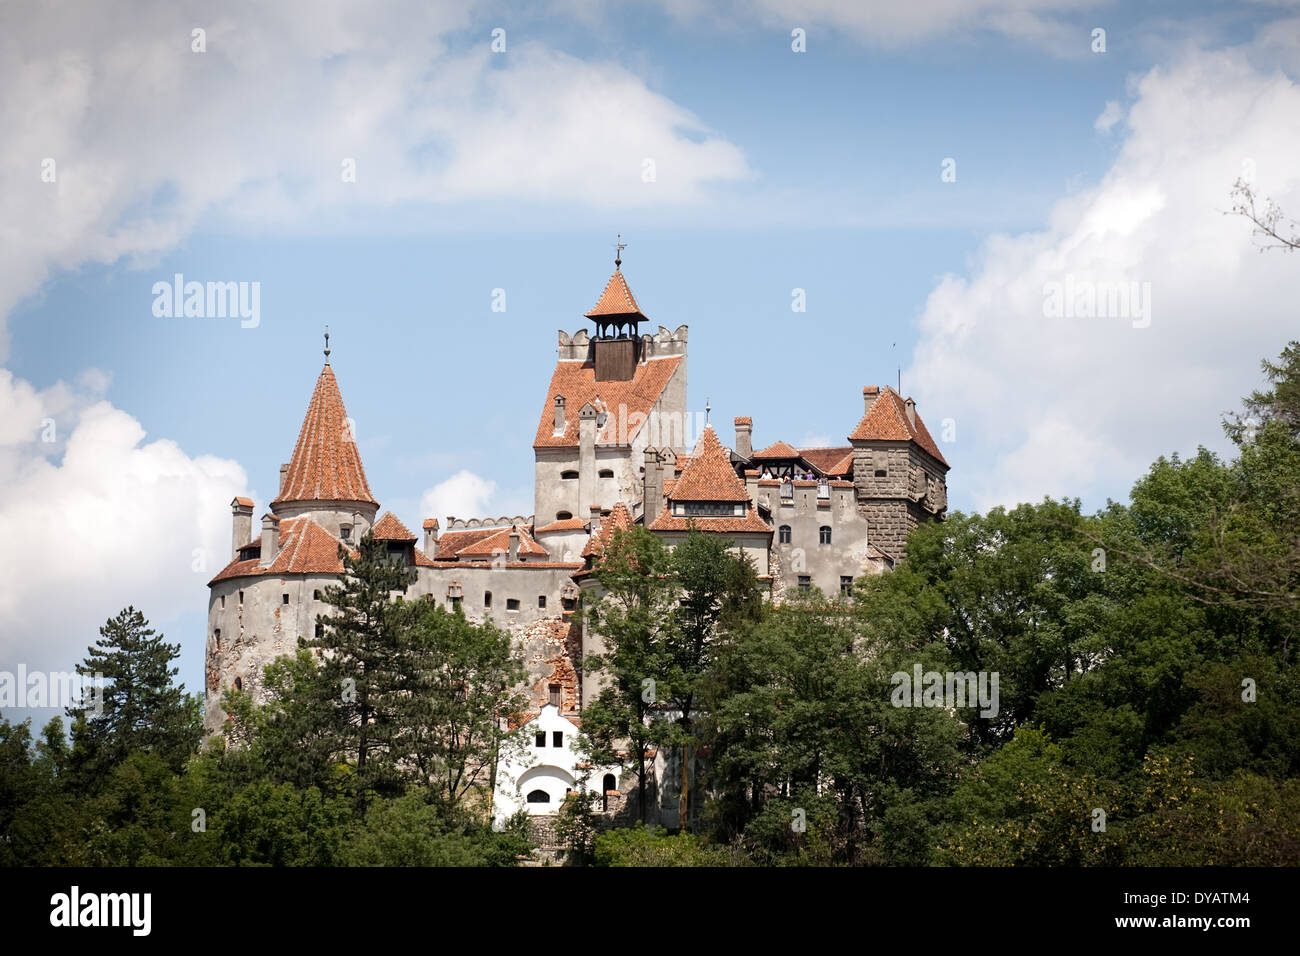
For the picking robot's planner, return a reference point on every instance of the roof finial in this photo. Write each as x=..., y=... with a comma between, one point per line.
x=619, y=246
x=327, y=345
x=707, y=409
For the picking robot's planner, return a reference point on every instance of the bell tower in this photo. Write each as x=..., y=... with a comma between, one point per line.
x=616, y=346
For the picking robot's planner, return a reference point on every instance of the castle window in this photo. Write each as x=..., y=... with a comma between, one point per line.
x=846, y=584
x=512, y=604
x=345, y=532
x=239, y=683
x=805, y=582
x=315, y=595
x=217, y=634
x=541, y=600
x=880, y=473
x=569, y=475
x=487, y=598
x=607, y=472
x=223, y=602
x=540, y=738
x=555, y=690
x=824, y=534
x=241, y=597
x=608, y=783
x=563, y=515
x=568, y=604
x=284, y=598
x=784, y=534
x=539, y=796
x=453, y=601
x=557, y=738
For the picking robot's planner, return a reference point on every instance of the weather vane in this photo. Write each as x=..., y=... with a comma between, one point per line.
x=327, y=345
x=619, y=246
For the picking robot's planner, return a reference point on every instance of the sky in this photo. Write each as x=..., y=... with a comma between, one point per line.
x=945, y=185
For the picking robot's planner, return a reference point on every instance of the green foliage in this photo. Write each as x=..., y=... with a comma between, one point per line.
x=638, y=846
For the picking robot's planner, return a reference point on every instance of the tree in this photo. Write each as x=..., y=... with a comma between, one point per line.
x=361, y=665
x=1266, y=216
x=142, y=710
x=458, y=696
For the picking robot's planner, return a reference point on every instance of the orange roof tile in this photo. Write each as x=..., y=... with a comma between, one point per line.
x=499, y=543
x=778, y=449
x=451, y=542
x=430, y=523
x=388, y=528
x=566, y=524
x=829, y=461
x=576, y=381
x=325, y=465
x=305, y=548
x=246, y=502
x=619, y=519
x=709, y=475
x=722, y=524
x=887, y=421
x=616, y=299
x=744, y=420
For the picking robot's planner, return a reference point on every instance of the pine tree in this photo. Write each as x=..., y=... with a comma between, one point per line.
x=362, y=665
x=138, y=708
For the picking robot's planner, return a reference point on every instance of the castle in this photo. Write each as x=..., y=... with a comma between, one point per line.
x=614, y=447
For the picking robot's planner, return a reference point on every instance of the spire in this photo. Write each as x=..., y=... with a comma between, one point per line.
x=708, y=475
x=325, y=465
x=327, y=345
x=619, y=246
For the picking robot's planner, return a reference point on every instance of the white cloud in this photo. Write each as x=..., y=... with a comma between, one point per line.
x=1109, y=116
x=467, y=495
x=1082, y=406
x=114, y=522
x=148, y=137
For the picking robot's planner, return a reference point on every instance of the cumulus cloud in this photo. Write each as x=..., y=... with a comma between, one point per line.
x=1070, y=404
x=94, y=518
x=119, y=137
x=1109, y=116
x=467, y=495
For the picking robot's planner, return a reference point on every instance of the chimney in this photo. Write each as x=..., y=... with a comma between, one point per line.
x=431, y=537
x=284, y=473
x=744, y=437
x=270, y=539
x=559, y=414
x=869, y=395
x=653, y=487
x=910, y=404
x=594, y=524
x=512, y=554
x=241, y=525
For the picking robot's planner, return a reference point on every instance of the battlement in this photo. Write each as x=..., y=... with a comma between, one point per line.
x=578, y=346
x=466, y=524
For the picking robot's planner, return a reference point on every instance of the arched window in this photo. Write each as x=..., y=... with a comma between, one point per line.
x=825, y=533
x=608, y=783
x=217, y=635
x=563, y=515
x=239, y=683
x=784, y=533
x=539, y=796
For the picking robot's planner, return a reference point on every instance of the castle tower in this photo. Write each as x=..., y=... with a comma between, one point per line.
x=325, y=479
x=899, y=475
x=611, y=396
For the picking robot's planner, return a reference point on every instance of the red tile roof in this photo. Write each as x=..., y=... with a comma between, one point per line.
x=616, y=299
x=667, y=521
x=498, y=542
x=887, y=421
x=709, y=475
x=829, y=461
x=305, y=548
x=567, y=524
x=325, y=465
x=778, y=450
x=451, y=542
x=619, y=519
x=430, y=523
x=744, y=420
x=388, y=528
x=576, y=381
x=246, y=502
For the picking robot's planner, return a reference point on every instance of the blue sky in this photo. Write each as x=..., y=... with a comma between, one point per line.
x=478, y=171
